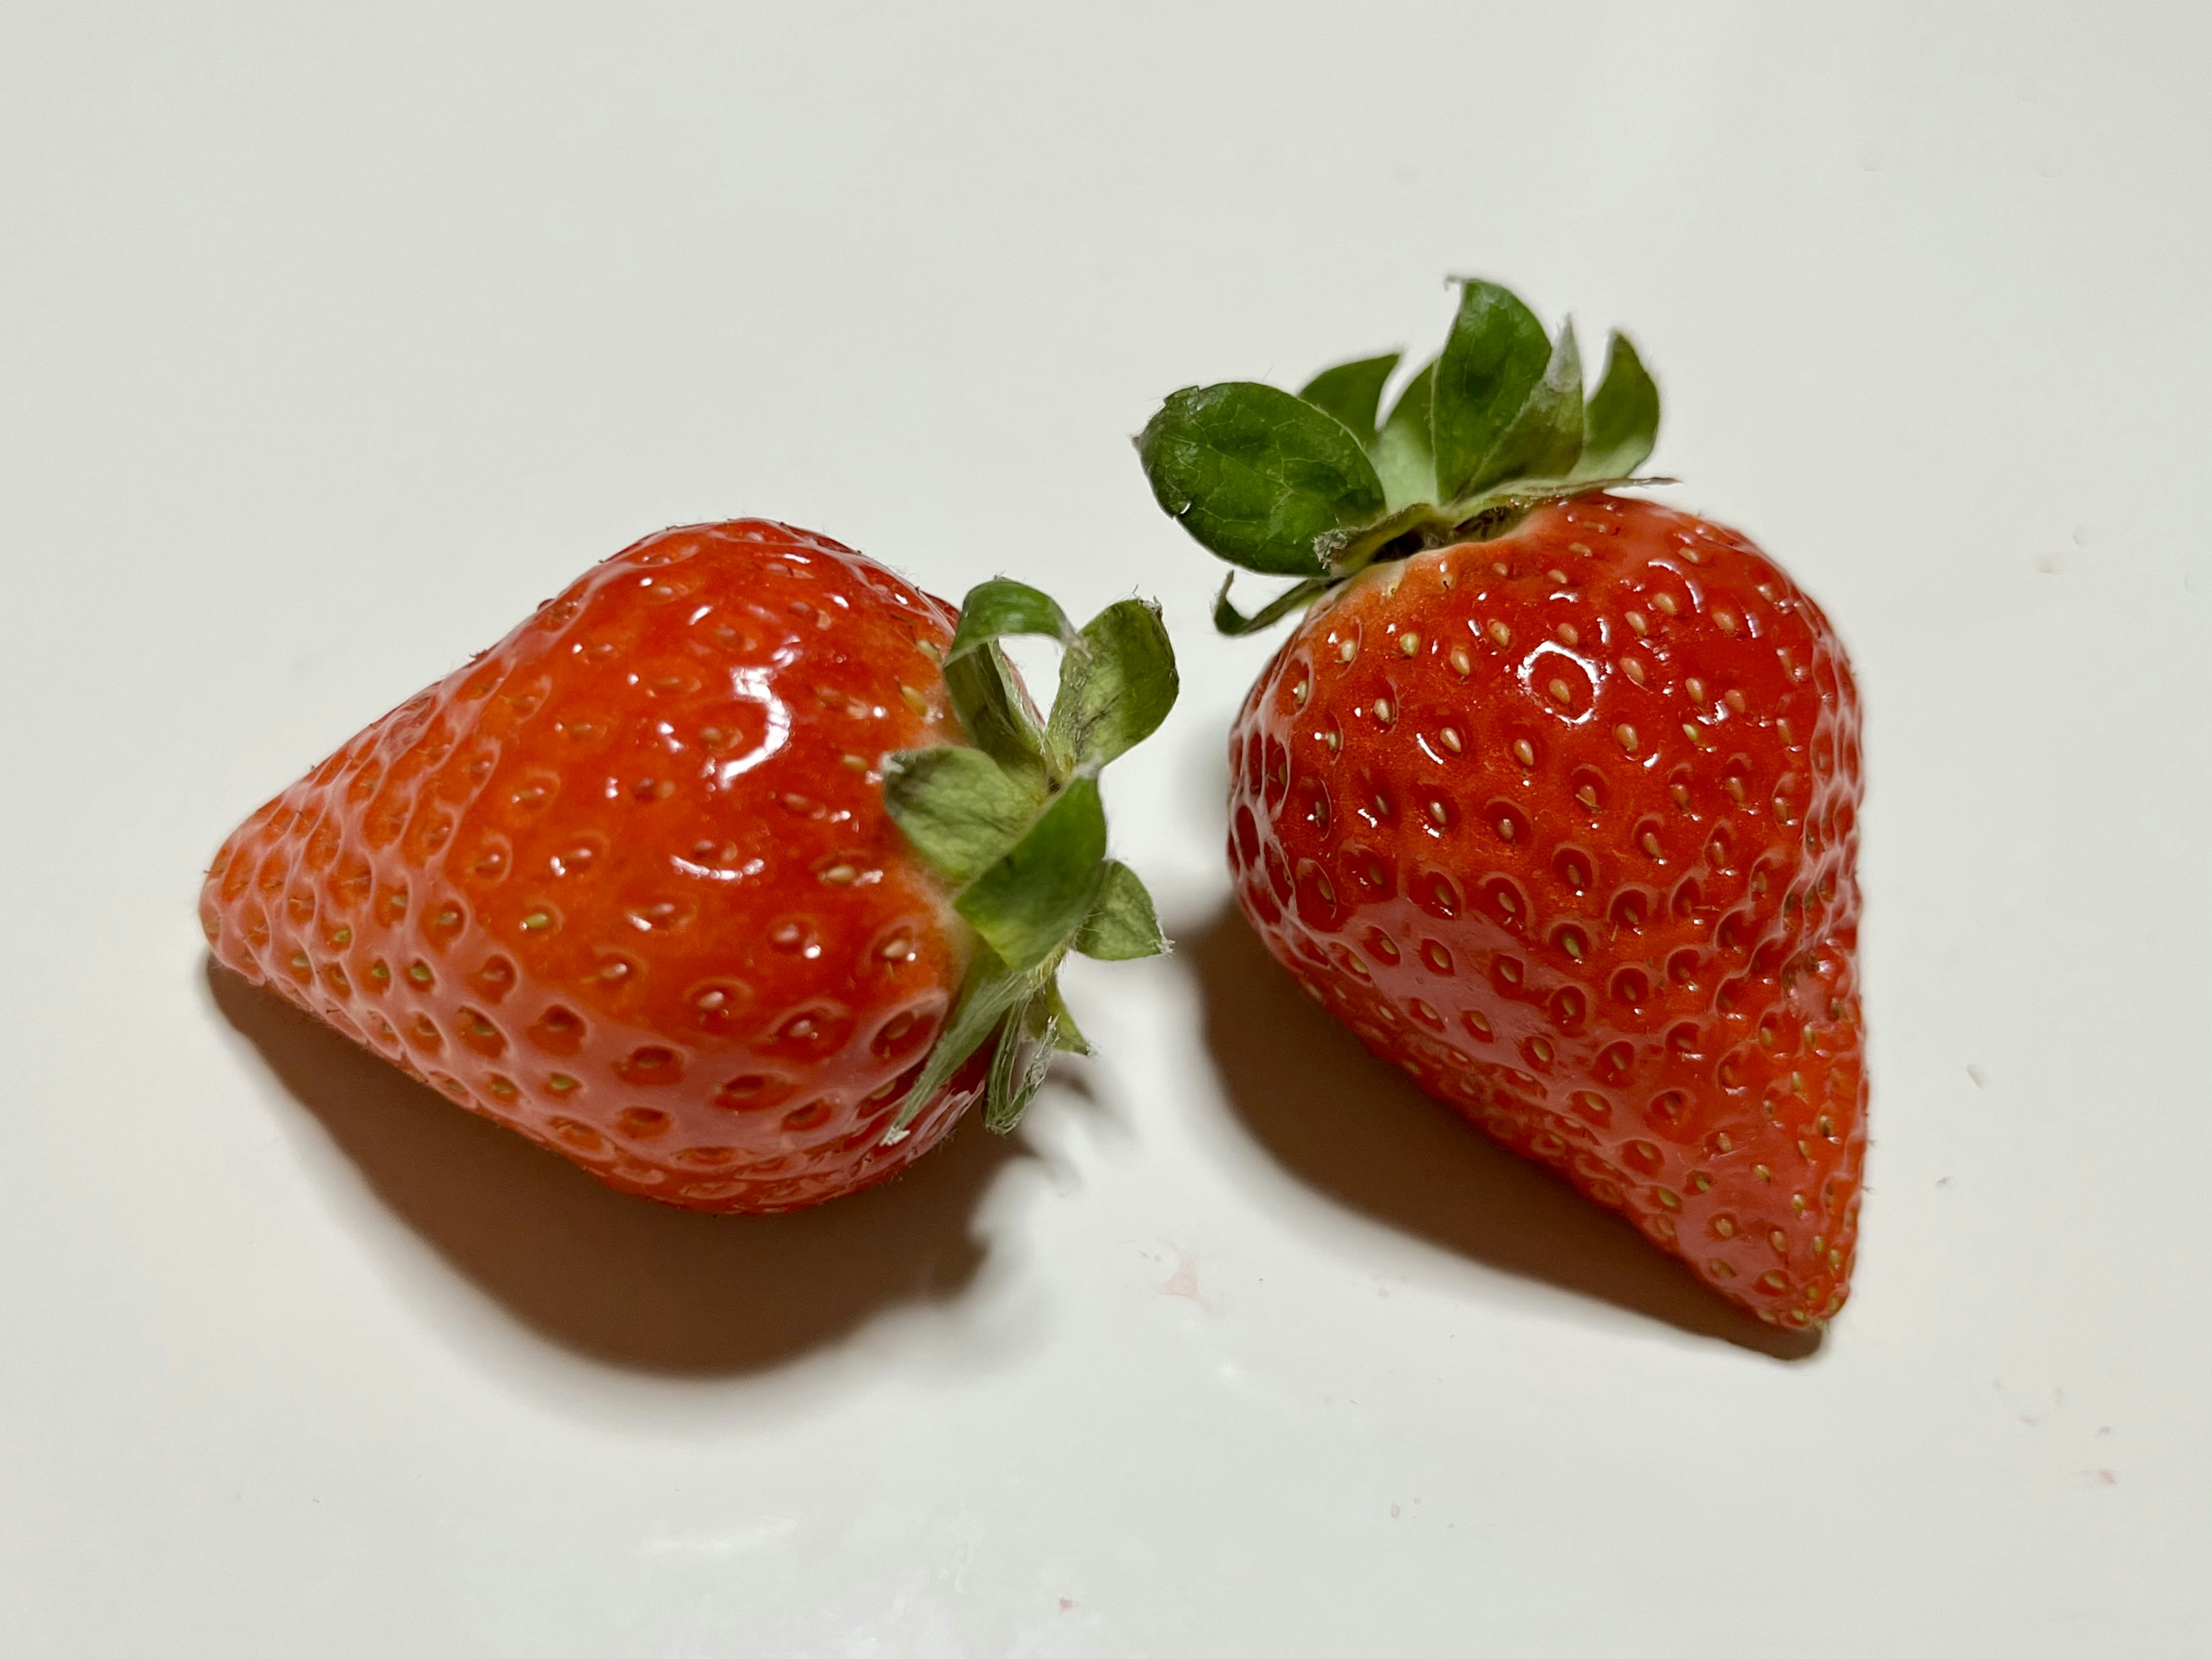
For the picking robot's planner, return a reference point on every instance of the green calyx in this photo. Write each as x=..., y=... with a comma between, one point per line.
x=1015, y=825
x=1316, y=487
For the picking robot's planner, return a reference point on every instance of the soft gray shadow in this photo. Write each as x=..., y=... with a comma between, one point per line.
x=1351, y=1128
x=618, y=1279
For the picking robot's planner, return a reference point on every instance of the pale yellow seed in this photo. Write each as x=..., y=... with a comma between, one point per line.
x=1735, y=788
x=1409, y=643
x=1501, y=633
x=1567, y=632
x=1762, y=1172
x=840, y=875
x=852, y=762
x=1347, y=649
x=1633, y=669
x=1720, y=1269
x=1734, y=700
x=1383, y=710
x=1559, y=692
x=1695, y=733
x=1450, y=737
x=1636, y=621
x=1559, y=576
x=1696, y=688
x=1462, y=663
x=1626, y=735
x=1780, y=1240
x=1797, y=1205
x=1681, y=795
x=915, y=699
x=1727, y=621
x=1723, y=1226
x=1301, y=691
x=1436, y=812
x=1649, y=843
x=1524, y=751
x=1578, y=547
x=1506, y=828
x=1665, y=602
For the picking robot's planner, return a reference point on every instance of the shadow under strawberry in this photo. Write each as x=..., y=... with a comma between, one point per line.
x=613, y=1278
x=1349, y=1127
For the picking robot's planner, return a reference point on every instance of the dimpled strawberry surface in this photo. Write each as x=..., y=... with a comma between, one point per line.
x=1564, y=823
x=626, y=883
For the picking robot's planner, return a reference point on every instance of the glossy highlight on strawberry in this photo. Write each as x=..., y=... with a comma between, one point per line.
x=627, y=882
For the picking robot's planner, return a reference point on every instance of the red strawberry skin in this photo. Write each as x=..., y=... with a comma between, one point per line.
x=1564, y=824
x=625, y=882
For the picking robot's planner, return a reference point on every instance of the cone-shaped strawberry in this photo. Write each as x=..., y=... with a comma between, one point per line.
x=1552, y=794
x=736, y=874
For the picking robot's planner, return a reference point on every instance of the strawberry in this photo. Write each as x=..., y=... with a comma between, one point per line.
x=735, y=874
x=1552, y=794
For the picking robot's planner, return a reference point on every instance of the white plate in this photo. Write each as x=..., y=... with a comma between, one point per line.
x=336, y=339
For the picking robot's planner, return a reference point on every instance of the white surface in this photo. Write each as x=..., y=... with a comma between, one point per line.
x=332, y=338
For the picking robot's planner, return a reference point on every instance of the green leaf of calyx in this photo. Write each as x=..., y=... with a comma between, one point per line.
x=959, y=807
x=1018, y=1070
x=996, y=712
x=1029, y=903
x=1405, y=457
x=1116, y=691
x=995, y=609
x=1067, y=1036
x=1229, y=620
x=1352, y=392
x=990, y=989
x=1621, y=425
x=1255, y=474
x=1493, y=359
x=1123, y=925
x=1545, y=440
